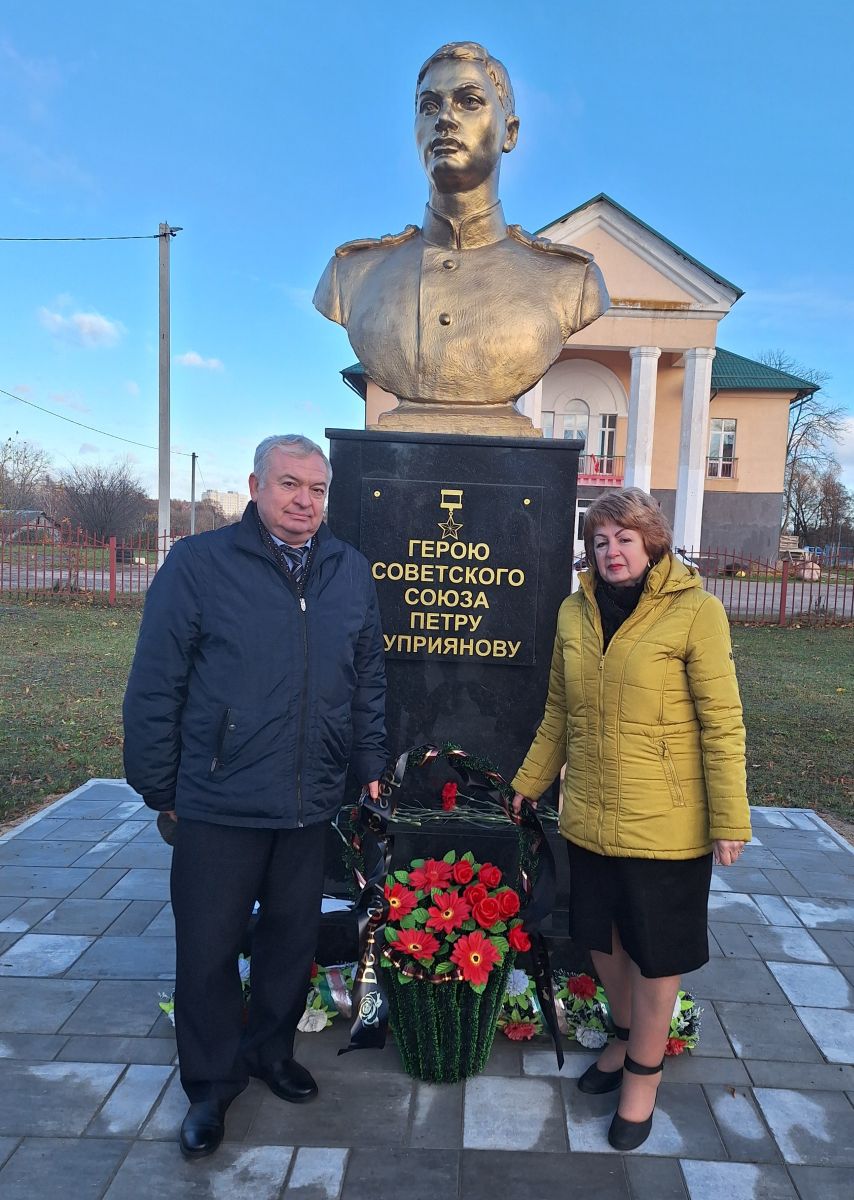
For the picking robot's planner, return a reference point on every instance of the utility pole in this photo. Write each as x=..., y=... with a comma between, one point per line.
x=193, y=458
x=164, y=524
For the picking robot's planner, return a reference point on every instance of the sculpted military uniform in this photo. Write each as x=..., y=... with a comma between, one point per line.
x=460, y=313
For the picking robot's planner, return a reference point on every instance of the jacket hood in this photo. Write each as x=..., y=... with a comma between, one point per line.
x=667, y=577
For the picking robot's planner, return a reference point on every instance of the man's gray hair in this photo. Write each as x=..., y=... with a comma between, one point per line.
x=291, y=443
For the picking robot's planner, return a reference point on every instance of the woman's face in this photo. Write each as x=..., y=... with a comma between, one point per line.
x=621, y=557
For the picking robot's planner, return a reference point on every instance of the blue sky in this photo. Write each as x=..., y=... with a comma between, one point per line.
x=273, y=131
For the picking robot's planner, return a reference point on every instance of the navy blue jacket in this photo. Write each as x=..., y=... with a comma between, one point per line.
x=241, y=709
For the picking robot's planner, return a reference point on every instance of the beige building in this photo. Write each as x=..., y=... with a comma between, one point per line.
x=231, y=503
x=659, y=404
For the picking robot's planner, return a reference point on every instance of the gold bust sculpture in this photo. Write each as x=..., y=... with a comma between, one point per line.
x=461, y=317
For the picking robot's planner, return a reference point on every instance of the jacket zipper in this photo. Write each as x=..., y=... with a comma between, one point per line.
x=302, y=714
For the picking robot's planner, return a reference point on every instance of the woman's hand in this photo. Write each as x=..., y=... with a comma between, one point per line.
x=519, y=800
x=726, y=853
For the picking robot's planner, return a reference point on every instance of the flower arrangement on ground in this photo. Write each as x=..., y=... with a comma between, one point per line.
x=520, y=1018
x=451, y=940
x=583, y=1011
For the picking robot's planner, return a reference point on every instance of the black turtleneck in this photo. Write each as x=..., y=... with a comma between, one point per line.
x=616, y=604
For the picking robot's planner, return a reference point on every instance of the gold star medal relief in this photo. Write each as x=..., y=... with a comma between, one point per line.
x=451, y=499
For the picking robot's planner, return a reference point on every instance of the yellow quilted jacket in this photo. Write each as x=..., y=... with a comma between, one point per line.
x=651, y=731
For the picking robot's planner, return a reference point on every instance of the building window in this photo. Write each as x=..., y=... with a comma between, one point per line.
x=607, y=441
x=721, y=461
x=569, y=423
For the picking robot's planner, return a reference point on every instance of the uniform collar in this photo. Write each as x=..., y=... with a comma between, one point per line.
x=482, y=229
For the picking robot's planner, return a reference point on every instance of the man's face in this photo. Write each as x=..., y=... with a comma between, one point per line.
x=291, y=498
x=460, y=126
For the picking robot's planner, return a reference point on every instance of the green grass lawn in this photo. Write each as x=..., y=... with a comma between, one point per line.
x=63, y=668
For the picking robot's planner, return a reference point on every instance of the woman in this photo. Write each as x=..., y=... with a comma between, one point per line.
x=643, y=707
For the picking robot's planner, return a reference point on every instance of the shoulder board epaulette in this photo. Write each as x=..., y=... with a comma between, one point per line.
x=388, y=239
x=547, y=245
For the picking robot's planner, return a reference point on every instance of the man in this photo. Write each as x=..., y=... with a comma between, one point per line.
x=258, y=676
x=464, y=315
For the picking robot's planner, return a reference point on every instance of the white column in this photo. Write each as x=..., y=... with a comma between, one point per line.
x=693, y=448
x=638, y=471
x=531, y=404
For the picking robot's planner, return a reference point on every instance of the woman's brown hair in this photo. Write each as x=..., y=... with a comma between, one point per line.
x=628, y=508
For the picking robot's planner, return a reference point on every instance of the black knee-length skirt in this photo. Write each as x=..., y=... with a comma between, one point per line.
x=659, y=907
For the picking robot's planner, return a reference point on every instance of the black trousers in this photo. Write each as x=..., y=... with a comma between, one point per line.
x=218, y=872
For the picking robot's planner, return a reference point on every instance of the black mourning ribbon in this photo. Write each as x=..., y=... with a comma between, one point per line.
x=373, y=841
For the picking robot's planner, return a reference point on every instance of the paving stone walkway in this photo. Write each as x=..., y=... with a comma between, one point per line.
x=90, y=1101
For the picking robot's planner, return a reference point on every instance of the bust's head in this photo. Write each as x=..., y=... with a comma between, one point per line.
x=464, y=118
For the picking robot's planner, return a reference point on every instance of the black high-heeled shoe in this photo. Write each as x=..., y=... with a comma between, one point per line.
x=628, y=1135
x=595, y=1082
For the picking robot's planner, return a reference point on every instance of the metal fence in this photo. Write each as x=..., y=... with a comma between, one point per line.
x=36, y=560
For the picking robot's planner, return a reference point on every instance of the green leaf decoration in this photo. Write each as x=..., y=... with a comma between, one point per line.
x=417, y=862
x=401, y=978
x=402, y=876
x=469, y=857
x=498, y=927
x=480, y=988
x=407, y=922
x=451, y=937
x=468, y=926
x=450, y=857
x=501, y=944
x=444, y=967
x=420, y=915
x=390, y=935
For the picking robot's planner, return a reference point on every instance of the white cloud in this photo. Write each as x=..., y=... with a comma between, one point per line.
x=69, y=402
x=89, y=448
x=88, y=329
x=193, y=359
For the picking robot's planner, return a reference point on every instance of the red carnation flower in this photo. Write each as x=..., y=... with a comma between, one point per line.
x=487, y=912
x=675, y=1046
x=581, y=986
x=490, y=875
x=520, y=1031
x=449, y=797
x=432, y=875
x=401, y=901
x=475, y=955
x=474, y=894
x=463, y=871
x=508, y=902
x=518, y=939
x=315, y=969
x=417, y=943
x=447, y=912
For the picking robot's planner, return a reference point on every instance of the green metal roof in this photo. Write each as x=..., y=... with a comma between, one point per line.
x=735, y=373
x=682, y=253
x=354, y=376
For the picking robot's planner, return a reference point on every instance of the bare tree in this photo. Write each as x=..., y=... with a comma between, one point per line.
x=814, y=422
x=23, y=472
x=104, y=500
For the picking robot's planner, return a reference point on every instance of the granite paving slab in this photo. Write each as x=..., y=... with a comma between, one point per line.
x=154, y=1169
x=810, y=1127
x=91, y=1101
x=48, y=1168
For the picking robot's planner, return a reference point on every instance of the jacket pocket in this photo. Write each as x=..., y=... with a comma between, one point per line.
x=669, y=768
x=227, y=729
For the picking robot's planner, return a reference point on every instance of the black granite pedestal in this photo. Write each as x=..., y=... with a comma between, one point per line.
x=470, y=541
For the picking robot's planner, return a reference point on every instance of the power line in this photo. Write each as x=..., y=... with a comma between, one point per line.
x=129, y=237
x=82, y=425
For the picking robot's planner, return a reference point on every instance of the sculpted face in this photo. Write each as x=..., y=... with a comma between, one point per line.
x=461, y=129
x=291, y=495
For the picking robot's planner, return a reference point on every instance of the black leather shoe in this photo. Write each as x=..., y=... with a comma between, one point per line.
x=595, y=1082
x=628, y=1135
x=203, y=1128
x=288, y=1080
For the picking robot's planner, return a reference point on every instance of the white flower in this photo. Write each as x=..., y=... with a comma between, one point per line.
x=312, y=1020
x=591, y=1039
x=518, y=982
x=677, y=1007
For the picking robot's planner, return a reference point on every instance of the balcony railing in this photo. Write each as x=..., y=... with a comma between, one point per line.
x=722, y=468
x=605, y=470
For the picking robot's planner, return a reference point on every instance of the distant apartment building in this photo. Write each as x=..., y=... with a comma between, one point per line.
x=231, y=503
